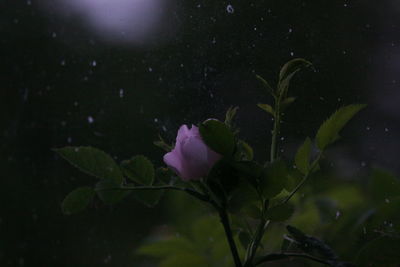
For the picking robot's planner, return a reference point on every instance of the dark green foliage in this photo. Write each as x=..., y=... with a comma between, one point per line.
x=92, y=161
x=329, y=130
x=243, y=152
x=302, y=158
x=267, y=108
x=77, y=200
x=380, y=252
x=139, y=169
x=109, y=192
x=218, y=137
x=280, y=212
x=273, y=179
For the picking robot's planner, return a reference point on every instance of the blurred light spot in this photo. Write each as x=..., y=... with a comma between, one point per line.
x=132, y=21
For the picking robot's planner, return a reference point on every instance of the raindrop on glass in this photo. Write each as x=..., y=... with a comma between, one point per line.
x=121, y=93
x=90, y=119
x=94, y=63
x=337, y=215
x=230, y=9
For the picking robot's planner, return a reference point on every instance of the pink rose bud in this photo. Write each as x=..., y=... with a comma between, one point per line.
x=191, y=158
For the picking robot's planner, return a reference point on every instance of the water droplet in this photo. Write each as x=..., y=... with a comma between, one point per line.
x=54, y=35
x=387, y=200
x=76, y=103
x=230, y=9
x=290, y=30
x=150, y=69
x=386, y=130
x=155, y=120
x=363, y=164
x=164, y=128
x=121, y=92
x=292, y=54
x=90, y=119
x=282, y=138
x=94, y=63
x=368, y=128
x=69, y=140
x=62, y=63
x=337, y=215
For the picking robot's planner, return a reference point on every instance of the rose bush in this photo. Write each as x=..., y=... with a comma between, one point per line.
x=191, y=158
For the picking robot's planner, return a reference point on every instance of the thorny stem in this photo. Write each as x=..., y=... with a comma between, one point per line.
x=277, y=256
x=228, y=231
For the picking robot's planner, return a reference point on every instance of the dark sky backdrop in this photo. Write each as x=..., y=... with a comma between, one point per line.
x=61, y=84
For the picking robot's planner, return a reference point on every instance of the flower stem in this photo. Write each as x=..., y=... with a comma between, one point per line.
x=228, y=231
x=276, y=129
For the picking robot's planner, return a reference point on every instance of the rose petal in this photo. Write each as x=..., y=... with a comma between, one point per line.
x=173, y=161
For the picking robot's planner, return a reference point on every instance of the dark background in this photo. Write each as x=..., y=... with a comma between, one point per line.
x=51, y=90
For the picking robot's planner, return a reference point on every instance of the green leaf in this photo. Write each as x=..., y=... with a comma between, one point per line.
x=218, y=137
x=381, y=252
x=244, y=152
x=274, y=179
x=267, y=108
x=162, y=144
x=109, y=193
x=230, y=115
x=92, y=161
x=302, y=158
x=77, y=200
x=139, y=169
x=292, y=67
x=329, y=130
x=288, y=71
x=286, y=102
x=266, y=85
x=243, y=195
x=280, y=213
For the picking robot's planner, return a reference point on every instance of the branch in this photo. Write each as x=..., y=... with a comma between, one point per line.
x=162, y=187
